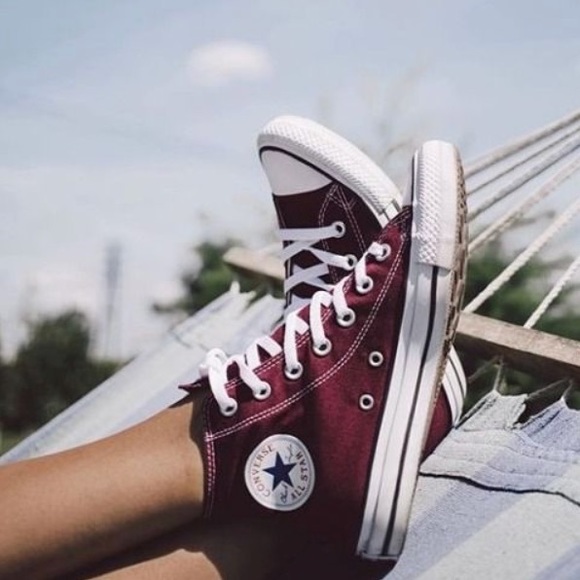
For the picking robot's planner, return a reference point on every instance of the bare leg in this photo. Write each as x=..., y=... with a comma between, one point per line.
x=63, y=511
x=255, y=550
x=202, y=551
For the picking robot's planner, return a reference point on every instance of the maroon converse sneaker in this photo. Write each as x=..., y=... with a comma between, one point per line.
x=332, y=201
x=322, y=423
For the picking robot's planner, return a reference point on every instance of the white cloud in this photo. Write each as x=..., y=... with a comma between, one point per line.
x=222, y=62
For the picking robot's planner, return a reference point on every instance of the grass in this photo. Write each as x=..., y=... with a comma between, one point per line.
x=9, y=439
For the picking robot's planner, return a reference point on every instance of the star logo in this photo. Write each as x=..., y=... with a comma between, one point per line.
x=279, y=473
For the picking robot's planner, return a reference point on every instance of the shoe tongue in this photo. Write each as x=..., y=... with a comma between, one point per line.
x=323, y=207
x=302, y=210
x=306, y=198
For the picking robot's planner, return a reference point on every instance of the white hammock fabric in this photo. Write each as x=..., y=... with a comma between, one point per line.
x=148, y=384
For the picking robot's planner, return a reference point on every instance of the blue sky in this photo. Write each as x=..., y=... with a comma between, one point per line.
x=136, y=121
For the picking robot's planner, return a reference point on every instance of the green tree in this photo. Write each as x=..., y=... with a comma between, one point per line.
x=206, y=282
x=51, y=370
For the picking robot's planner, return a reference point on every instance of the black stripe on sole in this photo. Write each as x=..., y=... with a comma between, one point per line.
x=403, y=459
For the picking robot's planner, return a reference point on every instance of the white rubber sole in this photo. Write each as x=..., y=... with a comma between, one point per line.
x=333, y=156
x=429, y=320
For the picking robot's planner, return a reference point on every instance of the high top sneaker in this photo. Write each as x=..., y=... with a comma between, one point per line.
x=322, y=423
x=332, y=201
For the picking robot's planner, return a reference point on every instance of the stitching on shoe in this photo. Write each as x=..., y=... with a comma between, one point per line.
x=330, y=372
x=210, y=437
x=234, y=383
x=347, y=207
x=302, y=339
x=316, y=383
x=211, y=468
x=321, y=223
x=288, y=263
x=338, y=197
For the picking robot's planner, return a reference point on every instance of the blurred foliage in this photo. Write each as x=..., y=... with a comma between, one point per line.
x=51, y=369
x=514, y=303
x=203, y=284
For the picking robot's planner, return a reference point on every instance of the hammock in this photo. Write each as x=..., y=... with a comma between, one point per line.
x=504, y=186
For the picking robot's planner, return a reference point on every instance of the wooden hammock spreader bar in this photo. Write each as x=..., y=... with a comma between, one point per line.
x=254, y=263
x=538, y=353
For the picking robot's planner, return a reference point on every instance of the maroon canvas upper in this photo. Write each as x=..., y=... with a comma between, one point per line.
x=322, y=207
x=321, y=408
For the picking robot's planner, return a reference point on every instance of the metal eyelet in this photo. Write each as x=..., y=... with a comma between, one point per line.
x=385, y=253
x=323, y=348
x=351, y=261
x=293, y=373
x=366, y=402
x=347, y=319
x=365, y=286
x=264, y=392
x=376, y=358
x=230, y=409
x=340, y=229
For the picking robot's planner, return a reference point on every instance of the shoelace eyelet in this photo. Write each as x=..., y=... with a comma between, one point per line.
x=385, y=253
x=340, y=229
x=346, y=319
x=366, y=402
x=230, y=410
x=365, y=286
x=351, y=261
x=376, y=358
x=264, y=392
x=323, y=348
x=293, y=373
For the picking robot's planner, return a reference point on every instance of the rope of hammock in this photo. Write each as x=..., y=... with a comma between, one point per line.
x=503, y=152
x=506, y=220
x=519, y=163
x=505, y=276
x=535, y=170
x=554, y=292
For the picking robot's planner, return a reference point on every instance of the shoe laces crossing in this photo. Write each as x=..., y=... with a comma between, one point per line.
x=302, y=240
x=216, y=363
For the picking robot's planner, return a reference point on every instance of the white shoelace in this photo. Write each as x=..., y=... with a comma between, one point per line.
x=216, y=361
x=302, y=240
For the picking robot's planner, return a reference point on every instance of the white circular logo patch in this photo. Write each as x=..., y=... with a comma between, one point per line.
x=280, y=473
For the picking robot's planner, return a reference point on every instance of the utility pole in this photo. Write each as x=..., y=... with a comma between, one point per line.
x=111, y=326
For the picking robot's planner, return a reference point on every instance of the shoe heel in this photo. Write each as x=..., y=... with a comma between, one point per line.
x=433, y=297
x=437, y=169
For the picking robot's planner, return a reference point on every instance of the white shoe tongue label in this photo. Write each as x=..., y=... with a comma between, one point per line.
x=279, y=473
